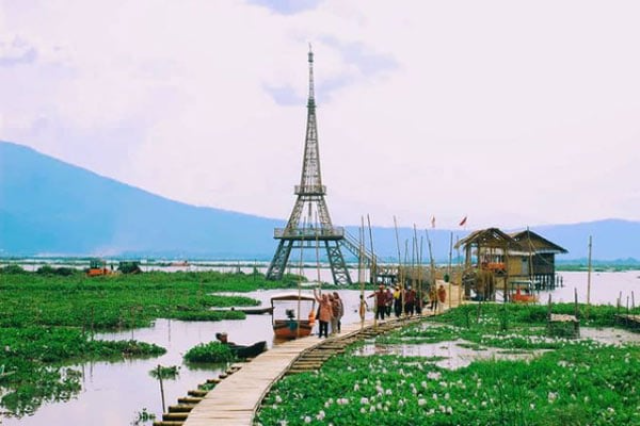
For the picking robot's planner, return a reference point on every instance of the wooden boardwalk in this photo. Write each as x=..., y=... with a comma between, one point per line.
x=236, y=399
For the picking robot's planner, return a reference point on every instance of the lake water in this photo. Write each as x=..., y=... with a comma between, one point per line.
x=113, y=393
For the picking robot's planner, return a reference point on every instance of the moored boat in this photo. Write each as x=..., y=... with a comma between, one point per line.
x=254, y=350
x=287, y=323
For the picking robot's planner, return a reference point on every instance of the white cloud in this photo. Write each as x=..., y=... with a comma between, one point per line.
x=511, y=113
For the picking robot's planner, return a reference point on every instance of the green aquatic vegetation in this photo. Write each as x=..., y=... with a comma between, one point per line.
x=119, y=301
x=209, y=352
x=387, y=390
x=573, y=382
x=35, y=357
x=48, y=320
x=143, y=417
x=170, y=372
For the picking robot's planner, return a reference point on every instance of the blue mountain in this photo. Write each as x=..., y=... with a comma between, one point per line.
x=48, y=206
x=51, y=207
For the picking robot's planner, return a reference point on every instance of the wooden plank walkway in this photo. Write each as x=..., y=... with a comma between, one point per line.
x=236, y=399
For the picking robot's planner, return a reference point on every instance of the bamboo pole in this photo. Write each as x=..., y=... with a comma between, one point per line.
x=395, y=223
x=375, y=315
x=589, y=277
x=164, y=409
x=361, y=309
x=374, y=261
x=449, y=265
x=433, y=269
x=419, y=266
x=304, y=223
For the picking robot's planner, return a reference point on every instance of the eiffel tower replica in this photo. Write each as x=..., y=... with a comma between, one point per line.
x=315, y=230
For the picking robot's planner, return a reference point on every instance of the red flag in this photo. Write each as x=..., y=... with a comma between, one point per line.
x=433, y=221
x=463, y=221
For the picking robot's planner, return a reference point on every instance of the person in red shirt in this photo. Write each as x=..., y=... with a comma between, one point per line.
x=381, y=302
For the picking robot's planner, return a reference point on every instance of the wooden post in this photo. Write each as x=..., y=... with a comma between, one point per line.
x=161, y=388
x=449, y=266
x=361, y=310
x=589, y=279
x=395, y=223
x=549, y=315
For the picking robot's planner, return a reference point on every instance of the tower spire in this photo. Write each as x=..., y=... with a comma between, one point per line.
x=303, y=232
x=311, y=102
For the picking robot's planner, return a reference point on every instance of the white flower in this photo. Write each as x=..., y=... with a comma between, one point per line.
x=356, y=387
x=552, y=396
x=283, y=423
x=278, y=399
x=364, y=400
x=388, y=392
x=320, y=415
x=435, y=396
x=307, y=419
x=433, y=375
x=422, y=401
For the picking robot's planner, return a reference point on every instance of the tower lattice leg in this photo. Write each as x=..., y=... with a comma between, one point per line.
x=280, y=259
x=338, y=265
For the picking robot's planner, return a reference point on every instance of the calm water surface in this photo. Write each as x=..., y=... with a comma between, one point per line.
x=113, y=393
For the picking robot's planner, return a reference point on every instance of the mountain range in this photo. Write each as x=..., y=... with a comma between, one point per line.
x=49, y=207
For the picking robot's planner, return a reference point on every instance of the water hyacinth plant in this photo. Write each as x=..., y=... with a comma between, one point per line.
x=209, y=352
x=572, y=383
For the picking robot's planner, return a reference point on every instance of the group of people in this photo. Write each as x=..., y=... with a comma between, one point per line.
x=330, y=311
x=405, y=300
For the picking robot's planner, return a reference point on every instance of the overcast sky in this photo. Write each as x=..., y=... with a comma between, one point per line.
x=513, y=113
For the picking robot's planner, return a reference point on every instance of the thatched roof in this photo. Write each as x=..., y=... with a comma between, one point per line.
x=536, y=243
x=490, y=238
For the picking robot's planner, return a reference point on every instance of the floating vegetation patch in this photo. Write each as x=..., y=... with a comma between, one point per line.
x=49, y=318
x=212, y=352
x=171, y=372
x=560, y=381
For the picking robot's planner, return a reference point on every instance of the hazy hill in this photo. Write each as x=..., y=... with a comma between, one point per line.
x=51, y=207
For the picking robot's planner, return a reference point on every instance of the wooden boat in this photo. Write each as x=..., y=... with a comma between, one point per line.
x=284, y=318
x=254, y=350
x=522, y=292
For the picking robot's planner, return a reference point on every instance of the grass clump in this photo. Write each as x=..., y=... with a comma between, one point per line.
x=211, y=352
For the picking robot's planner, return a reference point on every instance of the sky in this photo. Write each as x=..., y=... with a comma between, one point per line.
x=511, y=113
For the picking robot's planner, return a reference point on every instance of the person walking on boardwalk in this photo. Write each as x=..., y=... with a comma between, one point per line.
x=389, y=301
x=381, y=302
x=397, y=301
x=339, y=313
x=410, y=301
x=363, y=308
x=325, y=312
x=442, y=295
x=433, y=297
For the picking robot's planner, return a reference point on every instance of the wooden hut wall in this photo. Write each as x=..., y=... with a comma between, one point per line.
x=514, y=266
x=544, y=264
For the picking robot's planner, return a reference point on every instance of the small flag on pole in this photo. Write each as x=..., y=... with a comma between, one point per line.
x=463, y=221
x=433, y=221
